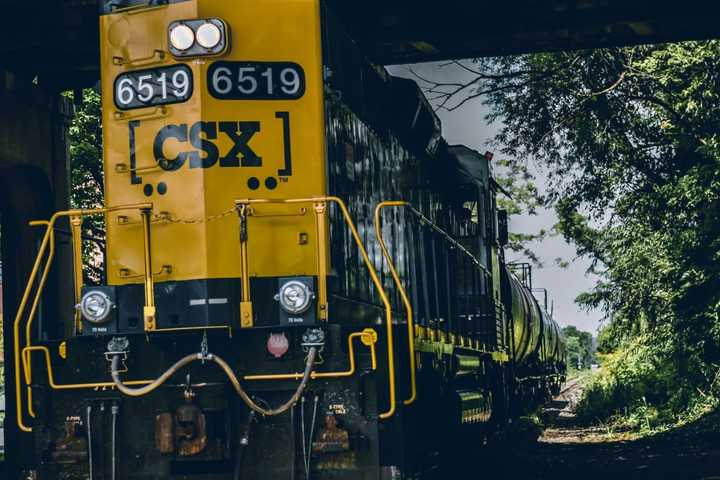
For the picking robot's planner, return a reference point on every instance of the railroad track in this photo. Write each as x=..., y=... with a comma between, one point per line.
x=569, y=385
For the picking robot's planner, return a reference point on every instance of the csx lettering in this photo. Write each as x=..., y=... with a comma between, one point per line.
x=206, y=154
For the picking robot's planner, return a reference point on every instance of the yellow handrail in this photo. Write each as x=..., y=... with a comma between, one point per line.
x=69, y=386
x=403, y=294
x=149, y=309
x=368, y=338
x=33, y=308
x=368, y=264
x=48, y=238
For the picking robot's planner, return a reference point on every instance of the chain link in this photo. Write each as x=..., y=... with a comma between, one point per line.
x=167, y=217
x=204, y=350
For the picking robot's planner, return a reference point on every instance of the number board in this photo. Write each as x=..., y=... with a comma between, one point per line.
x=256, y=81
x=155, y=86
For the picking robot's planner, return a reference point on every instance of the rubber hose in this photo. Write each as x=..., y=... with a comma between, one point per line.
x=243, y=442
x=88, y=427
x=139, y=392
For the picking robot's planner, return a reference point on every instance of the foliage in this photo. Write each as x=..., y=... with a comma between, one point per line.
x=519, y=196
x=86, y=176
x=630, y=144
x=579, y=345
x=641, y=389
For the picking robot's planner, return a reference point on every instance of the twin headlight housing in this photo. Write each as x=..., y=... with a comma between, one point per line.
x=197, y=38
x=294, y=296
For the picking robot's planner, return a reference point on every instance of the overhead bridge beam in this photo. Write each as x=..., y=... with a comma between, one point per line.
x=58, y=39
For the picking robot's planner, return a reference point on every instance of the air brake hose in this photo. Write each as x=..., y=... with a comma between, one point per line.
x=139, y=392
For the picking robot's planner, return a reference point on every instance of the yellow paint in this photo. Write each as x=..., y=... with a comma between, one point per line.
x=430, y=340
x=200, y=242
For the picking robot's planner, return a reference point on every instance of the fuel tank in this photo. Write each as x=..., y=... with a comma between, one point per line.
x=526, y=318
x=551, y=350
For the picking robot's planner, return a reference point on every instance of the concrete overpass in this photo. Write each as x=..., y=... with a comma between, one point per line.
x=47, y=46
x=58, y=39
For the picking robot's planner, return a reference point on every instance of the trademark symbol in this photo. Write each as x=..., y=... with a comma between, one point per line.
x=284, y=179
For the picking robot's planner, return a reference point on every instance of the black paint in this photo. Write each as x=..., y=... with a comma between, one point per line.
x=134, y=178
x=271, y=183
x=287, y=170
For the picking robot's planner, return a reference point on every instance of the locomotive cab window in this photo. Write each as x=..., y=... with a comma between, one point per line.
x=467, y=212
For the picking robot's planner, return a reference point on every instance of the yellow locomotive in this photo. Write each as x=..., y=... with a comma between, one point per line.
x=303, y=279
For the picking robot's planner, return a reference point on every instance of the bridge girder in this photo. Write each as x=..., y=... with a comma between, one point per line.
x=57, y=40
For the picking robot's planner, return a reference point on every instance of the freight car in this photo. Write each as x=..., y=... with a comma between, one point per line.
x=302, y=278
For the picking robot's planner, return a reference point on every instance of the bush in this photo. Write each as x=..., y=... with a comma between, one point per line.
x=643, y=386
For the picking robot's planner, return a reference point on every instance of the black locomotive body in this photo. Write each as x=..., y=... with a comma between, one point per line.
x=410, y=330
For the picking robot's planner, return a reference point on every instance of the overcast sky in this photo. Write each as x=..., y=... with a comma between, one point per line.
x=467, y=126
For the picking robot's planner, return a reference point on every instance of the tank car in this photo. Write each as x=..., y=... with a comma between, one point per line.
x=303, y=280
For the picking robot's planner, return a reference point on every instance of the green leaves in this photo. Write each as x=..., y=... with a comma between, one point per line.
x=86, y=178
x=579, y=347
x=630, y=141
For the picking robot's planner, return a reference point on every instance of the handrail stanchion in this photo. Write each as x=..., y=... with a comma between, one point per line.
x=33, y=310
x=149, y=309
x=246, y=310
x=16, y=327
x=403, y=294
x=322, y=260
x=75, y=230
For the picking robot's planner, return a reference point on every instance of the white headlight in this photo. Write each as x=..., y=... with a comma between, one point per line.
x=182, y=37
x=209, y=35
x=95, y=306
x=294, y=297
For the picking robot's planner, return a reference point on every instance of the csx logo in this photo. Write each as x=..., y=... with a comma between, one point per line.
x=206, y=153
x=202, y=138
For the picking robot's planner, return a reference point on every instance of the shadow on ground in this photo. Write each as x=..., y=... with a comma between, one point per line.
x=568, y=450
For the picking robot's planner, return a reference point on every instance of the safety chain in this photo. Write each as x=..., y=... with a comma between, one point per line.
x=167, y=217
x=204, y=350
x=242, y=211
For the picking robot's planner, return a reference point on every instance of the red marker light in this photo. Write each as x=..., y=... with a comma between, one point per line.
x=277, y=344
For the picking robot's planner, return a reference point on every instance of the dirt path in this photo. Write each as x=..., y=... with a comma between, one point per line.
x=568, y=450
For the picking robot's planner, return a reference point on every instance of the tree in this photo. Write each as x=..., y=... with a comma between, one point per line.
x=629, y=140
x=519, y=196
x=86, y=177
x=580, y=352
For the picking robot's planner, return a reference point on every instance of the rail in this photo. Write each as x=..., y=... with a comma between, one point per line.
x=447, y=237
x=320, y=207
x=398, y=282
x=403, y=293
x=47, y=246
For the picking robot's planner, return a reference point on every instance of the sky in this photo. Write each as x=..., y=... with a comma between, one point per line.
x=467, y=126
